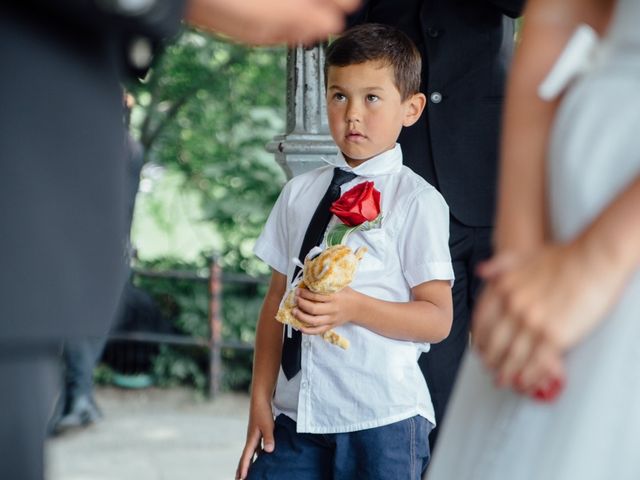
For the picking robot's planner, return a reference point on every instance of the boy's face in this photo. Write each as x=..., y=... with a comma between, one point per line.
x=366, y=111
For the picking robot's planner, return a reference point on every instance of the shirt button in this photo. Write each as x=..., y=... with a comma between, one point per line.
x=436, y=97
x=135, y=7
x=307, y=343
x=433, y=32
x=140, y=52
x=303, y=384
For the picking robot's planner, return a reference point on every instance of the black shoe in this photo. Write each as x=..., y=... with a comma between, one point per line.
x=83, y=413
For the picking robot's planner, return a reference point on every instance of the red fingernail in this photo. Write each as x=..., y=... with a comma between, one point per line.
x=551, y=392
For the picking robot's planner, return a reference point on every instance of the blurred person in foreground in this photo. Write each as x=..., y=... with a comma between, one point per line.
x=76, y=406
x=62, y=188
x=552, y=388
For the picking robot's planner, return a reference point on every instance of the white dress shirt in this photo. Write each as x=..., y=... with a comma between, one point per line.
x=377, y=381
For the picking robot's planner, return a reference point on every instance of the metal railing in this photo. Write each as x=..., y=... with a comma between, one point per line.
x=214, y=343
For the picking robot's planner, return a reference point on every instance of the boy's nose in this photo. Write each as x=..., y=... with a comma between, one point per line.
x=352, y=114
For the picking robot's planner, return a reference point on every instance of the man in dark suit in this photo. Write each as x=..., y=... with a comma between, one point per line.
x=77, y=406
x=466, y=46
x=63, y=177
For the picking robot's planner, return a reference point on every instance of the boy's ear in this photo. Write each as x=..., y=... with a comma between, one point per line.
x=415, y=106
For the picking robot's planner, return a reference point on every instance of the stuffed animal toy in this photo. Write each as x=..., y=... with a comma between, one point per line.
x=329, y=272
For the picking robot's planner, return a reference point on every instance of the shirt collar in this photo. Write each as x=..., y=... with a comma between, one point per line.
x=386, y=163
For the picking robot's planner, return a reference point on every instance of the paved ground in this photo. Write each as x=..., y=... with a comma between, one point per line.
x=154, y=434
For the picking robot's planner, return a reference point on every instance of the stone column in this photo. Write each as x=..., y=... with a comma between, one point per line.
x=307, y=139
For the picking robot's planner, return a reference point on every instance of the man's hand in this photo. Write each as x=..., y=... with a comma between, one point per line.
x=260, y=22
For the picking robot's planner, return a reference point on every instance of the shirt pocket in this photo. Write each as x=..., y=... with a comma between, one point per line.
x=376, y=242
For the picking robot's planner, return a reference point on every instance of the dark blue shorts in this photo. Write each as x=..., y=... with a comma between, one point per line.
x=397, y=451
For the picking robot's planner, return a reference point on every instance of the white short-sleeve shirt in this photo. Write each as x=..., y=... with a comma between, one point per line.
x=377, y=381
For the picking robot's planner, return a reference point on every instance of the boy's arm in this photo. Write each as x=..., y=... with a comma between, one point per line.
x=426, y=318
x=266, y=364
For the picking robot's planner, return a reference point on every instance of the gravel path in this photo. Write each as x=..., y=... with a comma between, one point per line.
x=154, y=434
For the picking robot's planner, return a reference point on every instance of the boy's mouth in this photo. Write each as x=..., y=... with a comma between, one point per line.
x=354, y=136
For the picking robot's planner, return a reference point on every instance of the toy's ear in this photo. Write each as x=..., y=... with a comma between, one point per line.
x=414, y=106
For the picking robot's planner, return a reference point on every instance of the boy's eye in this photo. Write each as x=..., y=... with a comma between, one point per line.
x=372, y=98
x=339, y=97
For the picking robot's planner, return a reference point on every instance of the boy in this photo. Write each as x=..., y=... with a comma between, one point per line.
x=364, y=412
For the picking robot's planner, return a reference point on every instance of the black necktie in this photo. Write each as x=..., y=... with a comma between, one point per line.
x=291, y=347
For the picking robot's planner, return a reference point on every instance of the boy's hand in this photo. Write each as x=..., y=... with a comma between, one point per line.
x=261, y=426
x=324, y=312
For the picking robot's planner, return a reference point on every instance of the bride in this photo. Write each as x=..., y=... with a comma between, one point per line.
x=552, y=389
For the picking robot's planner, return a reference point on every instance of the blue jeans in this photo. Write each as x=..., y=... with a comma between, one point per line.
x=397, y=451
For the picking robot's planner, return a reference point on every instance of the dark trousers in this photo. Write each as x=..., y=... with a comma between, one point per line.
x=396, y=451
x=469, y=246
x=29, y=376
x=80, y=358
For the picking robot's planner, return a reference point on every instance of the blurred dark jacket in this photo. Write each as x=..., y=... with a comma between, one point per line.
x=466, y=47
x=63, y=168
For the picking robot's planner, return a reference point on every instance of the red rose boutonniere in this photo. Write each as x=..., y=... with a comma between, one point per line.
x=358, y=205
x=358, y=209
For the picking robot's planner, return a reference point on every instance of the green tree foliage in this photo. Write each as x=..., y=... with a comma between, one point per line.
x=207, y=109
x=205, y=112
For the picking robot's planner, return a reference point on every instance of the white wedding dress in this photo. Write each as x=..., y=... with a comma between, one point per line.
x=592, y=430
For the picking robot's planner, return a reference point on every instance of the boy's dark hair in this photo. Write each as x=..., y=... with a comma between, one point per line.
x=377, y=42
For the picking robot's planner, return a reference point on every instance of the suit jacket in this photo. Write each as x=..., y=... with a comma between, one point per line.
x=466, y=46
x=62, y=160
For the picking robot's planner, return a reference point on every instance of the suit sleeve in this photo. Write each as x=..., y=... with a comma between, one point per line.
x=156, y=19
x=511, y=8
x=137, y=29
